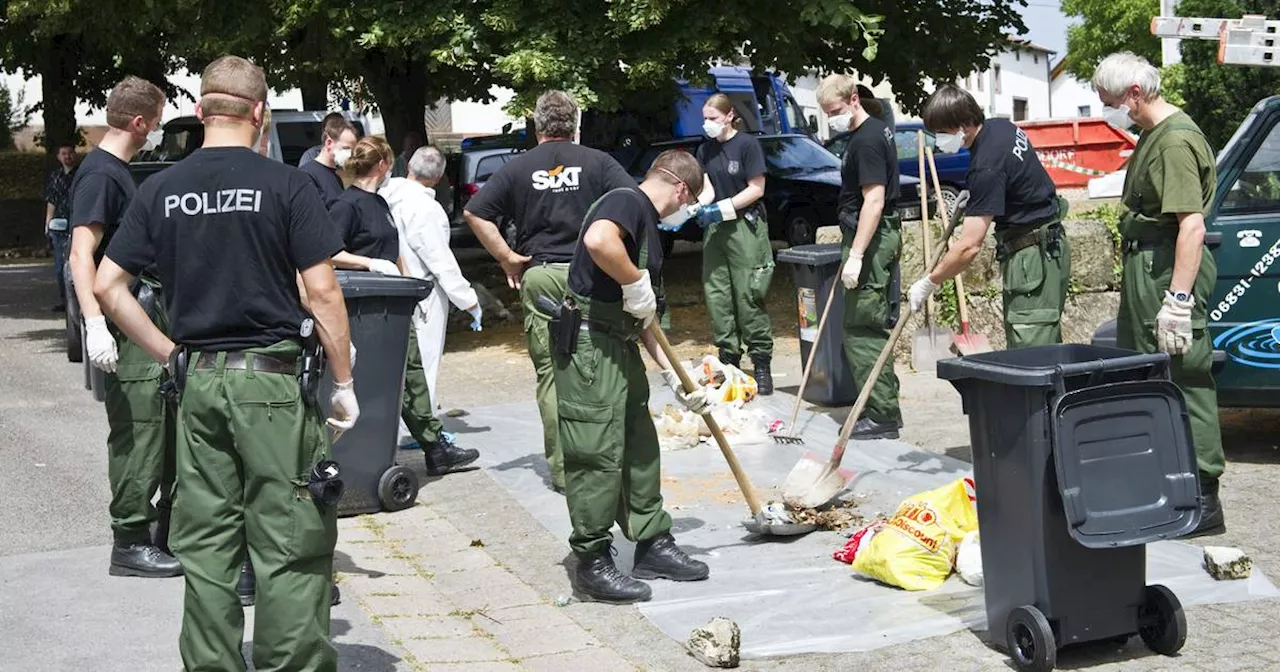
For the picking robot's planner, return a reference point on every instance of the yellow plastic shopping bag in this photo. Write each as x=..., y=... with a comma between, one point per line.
x=916, y=549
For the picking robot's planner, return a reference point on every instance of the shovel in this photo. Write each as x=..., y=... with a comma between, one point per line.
x=930, y=343
x=759, y=522
x=794, y=438
x=813, y=482
x=966, y=342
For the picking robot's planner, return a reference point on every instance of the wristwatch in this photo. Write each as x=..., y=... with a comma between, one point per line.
x=1182, y=296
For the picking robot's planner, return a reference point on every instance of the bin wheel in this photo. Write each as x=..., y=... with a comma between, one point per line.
x=1031, y=642
x=398, y=488
x=1161, y=622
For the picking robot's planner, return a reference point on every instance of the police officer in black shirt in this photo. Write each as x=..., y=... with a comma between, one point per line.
x=140, y=442
x=228, y=232
x=545, y=191
x=339, y=138
x=872, y=230
x=1006, y=185
x=611, y=455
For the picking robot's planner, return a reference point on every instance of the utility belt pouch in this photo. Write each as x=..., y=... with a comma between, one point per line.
x=565, y=328
x=325, y=484
x=312, y=368
x=172, y=387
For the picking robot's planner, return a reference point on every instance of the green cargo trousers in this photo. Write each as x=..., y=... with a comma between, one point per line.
x=1144, y=280
x=866, y=319
x=551, y=281
x=140, y=439
x=737, y=268
x=416, y=409
x=1035, y=282
x=611, y=453
x=246, y=447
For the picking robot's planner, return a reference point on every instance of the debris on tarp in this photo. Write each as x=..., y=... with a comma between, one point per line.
x=836, y=518
x=679, y=428
x=1225, y=564
x=716, y=644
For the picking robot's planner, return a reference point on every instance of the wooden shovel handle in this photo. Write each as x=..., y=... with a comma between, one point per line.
x=744, y=483
x=813, y=350
x=960, y=296
x=925, y=232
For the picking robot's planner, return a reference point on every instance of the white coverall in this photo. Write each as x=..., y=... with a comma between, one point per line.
x=424, y=245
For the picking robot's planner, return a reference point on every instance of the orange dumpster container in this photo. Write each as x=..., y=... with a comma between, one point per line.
x=1075, y=151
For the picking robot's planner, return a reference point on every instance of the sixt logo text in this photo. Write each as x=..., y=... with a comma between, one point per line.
x=558, y=178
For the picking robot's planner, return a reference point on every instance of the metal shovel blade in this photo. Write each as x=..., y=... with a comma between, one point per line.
x=971, y=343
x=928, y=346
x=814, y=481
x=760, y=525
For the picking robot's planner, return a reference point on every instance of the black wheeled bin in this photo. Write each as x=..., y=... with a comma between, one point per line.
x=379, y=308
x=816, y=270
x=1081, y=455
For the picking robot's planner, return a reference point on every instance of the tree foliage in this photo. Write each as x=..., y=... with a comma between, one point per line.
x=1109, y=26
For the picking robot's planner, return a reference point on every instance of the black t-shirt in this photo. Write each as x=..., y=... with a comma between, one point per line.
x=871, y=157
x=227, y=229
x=634, y=213
x=100, y=192
x=547, y=191
x=364, y=220
x=731, y=163
x=1006, y=180
x=326, y=180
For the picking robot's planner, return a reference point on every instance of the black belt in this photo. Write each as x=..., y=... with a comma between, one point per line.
x=1043, y=233
x=589, y=324
x=239, y=360
x=1131, y=245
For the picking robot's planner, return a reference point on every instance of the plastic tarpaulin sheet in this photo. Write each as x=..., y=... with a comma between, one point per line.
x=787, y=594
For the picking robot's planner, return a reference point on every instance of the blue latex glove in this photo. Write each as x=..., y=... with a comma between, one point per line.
x=713, y=213
x=475, y=317
x=672, y=228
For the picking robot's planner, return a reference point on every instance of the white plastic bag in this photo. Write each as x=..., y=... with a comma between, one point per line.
x=969, y=559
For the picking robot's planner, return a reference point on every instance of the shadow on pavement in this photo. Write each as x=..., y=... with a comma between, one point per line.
x=30, y=292
x=1249, y=436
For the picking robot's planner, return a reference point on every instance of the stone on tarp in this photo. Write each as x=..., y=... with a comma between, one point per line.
x=1226, y=563
x=716, y=643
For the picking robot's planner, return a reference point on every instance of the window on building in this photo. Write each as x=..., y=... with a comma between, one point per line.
x=1085, y=111
x=1019, y=109
x=1035, y=58
x=996, y=84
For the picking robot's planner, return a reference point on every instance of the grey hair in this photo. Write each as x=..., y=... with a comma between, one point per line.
x=427, y=163
x=1119, y=71
x=556, y=115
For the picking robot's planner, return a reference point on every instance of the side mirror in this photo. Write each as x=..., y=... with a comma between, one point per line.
x=506, y=128
x=813, y=123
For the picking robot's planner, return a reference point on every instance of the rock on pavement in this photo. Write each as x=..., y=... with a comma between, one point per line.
x=1227, y=563
x=716, y=643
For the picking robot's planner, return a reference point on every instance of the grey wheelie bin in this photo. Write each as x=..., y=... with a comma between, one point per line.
x=1081, y=455
x=816, y=270
x=379, y=308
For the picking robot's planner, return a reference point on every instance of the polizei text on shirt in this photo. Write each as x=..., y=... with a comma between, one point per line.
x=213, y=202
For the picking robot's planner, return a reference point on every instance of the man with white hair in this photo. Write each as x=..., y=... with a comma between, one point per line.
x=424, y=246
x=1168, y=275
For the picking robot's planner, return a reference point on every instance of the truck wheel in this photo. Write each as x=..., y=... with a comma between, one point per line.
x=75, y=350
x=1030, y=640
x=802, y=228
x=398, y=488
x=949, y=196
x=1161, y=623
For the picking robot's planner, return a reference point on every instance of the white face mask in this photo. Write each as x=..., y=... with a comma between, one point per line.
x=340, y=156
x=1118, y=117
x=154, y=138
x=949, y=143
x=677, y=219
x=840, y=122
x=713, y=129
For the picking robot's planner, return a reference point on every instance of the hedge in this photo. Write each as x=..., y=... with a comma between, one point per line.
x=22, y=175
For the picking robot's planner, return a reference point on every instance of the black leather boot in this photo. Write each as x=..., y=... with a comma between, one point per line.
x=866, y=429
x=660, y=558
x=727, y=358
x=764, y=377
x=142, y=559
x=246, y=587
x=160, y=530
x=443, y=456
x=1212, y=520
x=600, y=580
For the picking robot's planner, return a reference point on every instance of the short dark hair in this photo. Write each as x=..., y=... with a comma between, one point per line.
x=335, y=125
x=133, y=97
x=951, y=107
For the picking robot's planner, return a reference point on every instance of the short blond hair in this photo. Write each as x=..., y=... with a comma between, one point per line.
x=836, y=87
x=232, y=86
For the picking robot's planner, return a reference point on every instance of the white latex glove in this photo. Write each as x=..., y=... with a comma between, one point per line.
x=475, y=312
x=384, y=267
x=695, y=401
x=852, y=269
x=343, y=408
x=100, y=344
x=920, y=292
x=639, y=300
x=353, y=356
x=1173, y=326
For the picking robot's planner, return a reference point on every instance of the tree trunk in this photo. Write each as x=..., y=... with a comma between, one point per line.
x=399, y=86
x=58, y=93
x=315, y=92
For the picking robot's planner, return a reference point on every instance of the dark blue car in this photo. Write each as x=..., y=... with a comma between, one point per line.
x=952, y=168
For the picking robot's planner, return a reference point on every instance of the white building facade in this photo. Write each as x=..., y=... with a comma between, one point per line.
x=1072, y=97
